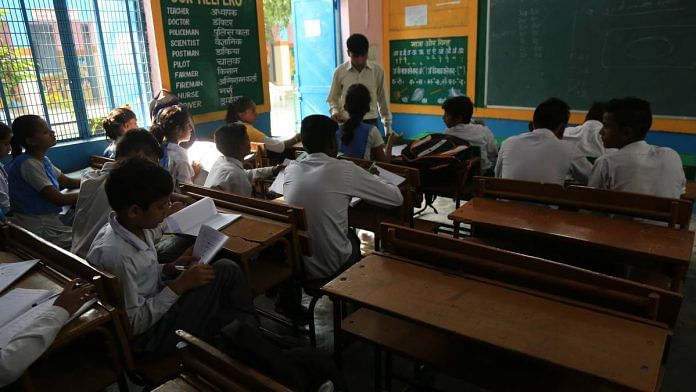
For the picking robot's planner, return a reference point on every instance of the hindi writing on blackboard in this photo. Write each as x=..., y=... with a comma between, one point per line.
x=427, y=71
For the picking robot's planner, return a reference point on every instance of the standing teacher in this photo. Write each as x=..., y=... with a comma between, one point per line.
x=360, y=70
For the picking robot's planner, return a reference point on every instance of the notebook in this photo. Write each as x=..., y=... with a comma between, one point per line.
x=9, y=272
x=190, y=219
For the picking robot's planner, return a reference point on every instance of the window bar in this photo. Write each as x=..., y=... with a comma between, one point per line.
x=25, y=16
x=135, y=57
x=72, y=67
x=102, y=47
x=6, y=108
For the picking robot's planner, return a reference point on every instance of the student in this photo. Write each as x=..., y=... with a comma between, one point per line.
x=636, y=166
x=541, y=155
x=28, y=345
x=586, y=136
x=360, y=70
x=243, y=110
x=324, y=186
x=160, y=299
x=116, y=124
x=172, y=126
x=5, y=148
x=358, y=139
x=228, y=173
x=457, y=118
x=35, y=183
x=92, y=208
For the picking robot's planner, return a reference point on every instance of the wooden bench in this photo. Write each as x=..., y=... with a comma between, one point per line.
x=207, y=368
x=476, y=312
x=675, y=212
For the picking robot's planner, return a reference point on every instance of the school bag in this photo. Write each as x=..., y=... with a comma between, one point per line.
x=438, y=157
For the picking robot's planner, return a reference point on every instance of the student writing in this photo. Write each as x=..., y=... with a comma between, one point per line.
x=457, y=118
x=35, y=183
x=228, y=173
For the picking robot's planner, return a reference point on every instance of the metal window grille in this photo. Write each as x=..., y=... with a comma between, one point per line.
x=72, y=62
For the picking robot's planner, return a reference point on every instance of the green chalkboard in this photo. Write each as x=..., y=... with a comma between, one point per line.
x=586, y=50
x=212, y=52
x=426, y=71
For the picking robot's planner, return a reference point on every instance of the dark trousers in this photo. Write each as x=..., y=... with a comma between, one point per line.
x=202, y=312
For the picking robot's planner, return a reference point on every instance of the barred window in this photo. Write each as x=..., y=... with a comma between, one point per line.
x=72, y=62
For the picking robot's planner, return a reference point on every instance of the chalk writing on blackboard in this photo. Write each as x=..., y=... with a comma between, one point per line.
x=426, y=71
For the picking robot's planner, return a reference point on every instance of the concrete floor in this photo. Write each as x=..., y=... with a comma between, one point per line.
x=359, y=357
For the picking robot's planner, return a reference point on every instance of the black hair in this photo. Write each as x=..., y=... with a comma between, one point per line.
x=24, y=127
x=137, y=181
x=633, y=113
x=358, y=44
x=459, y=107
x=229, y=137
x=239, y=105
x=5, y=130
x=551, y=114
x=169, y=120
x=357, y=105
x=113, y=122
x=596, y=111
x=138, y=140
x=318, y=133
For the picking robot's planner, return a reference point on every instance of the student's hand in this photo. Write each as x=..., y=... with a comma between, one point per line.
x=74, y=296
x=178, y=197
x=337, y=117
x=277, y=169
x=170, y=269
x=478, y=121
x=196, y=276
x=394, y=138
x=196, y=168
x=174, y=207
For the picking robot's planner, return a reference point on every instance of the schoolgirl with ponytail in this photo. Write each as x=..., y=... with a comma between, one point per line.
x=243, y=111
x=35, y=183
x=116, y=124
x=356, y=138
x=173, y=125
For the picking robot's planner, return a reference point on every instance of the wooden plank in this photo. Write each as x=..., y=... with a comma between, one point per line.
x=599, y=231
x=609, y=347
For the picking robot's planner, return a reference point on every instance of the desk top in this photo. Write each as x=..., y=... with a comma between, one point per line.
x=621, y=234
x=250, y=234
x=623, y=351
x=690, y=193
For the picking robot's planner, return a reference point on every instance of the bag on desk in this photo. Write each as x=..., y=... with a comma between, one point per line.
x=437, y=157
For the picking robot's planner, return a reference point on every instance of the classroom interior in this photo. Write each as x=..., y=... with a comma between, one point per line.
x=72, y=61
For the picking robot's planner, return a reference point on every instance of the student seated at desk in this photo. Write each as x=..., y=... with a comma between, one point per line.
x=27, y=346
x=5, y=148
x=35, y=183
x=324, y=186
x=457, y=117
x=160, y=299
x=228, y=173
x=358, y=139
x=541, y=155
x=116, y=124
x=173, y=126
x=92, y=208
x=586, y=136
x=243, y=111
x=637, y=166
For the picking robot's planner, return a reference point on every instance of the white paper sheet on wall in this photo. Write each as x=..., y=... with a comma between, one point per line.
x=416, y=15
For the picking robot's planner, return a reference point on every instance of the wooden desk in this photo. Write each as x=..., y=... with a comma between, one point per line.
x=690, y=193
x=620, y=351
x=637, y=242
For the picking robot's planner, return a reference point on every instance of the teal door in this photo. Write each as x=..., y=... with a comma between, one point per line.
x=316, y=52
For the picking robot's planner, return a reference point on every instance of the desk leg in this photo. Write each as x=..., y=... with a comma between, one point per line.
x=378, y=369
x=388, y=370
x=455, y=230
x=338, y=342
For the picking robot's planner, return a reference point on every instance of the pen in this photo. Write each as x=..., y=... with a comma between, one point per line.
x=180, y=267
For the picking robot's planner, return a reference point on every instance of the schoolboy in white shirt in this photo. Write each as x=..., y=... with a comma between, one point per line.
x=228, y=173
x=541, y=155
x=636, y=166
x=586, y=136
x=457, y=117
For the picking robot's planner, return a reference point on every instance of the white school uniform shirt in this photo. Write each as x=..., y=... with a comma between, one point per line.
x=4, y=190
x=28, y=345
x=587, y=139
x=134, y=261
x=179, y=166
x=372, y=76
x=91, y=210
x=540, y=156
x=228, y=174
x=481, y=137
x=640, y=168
x=324, y=186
